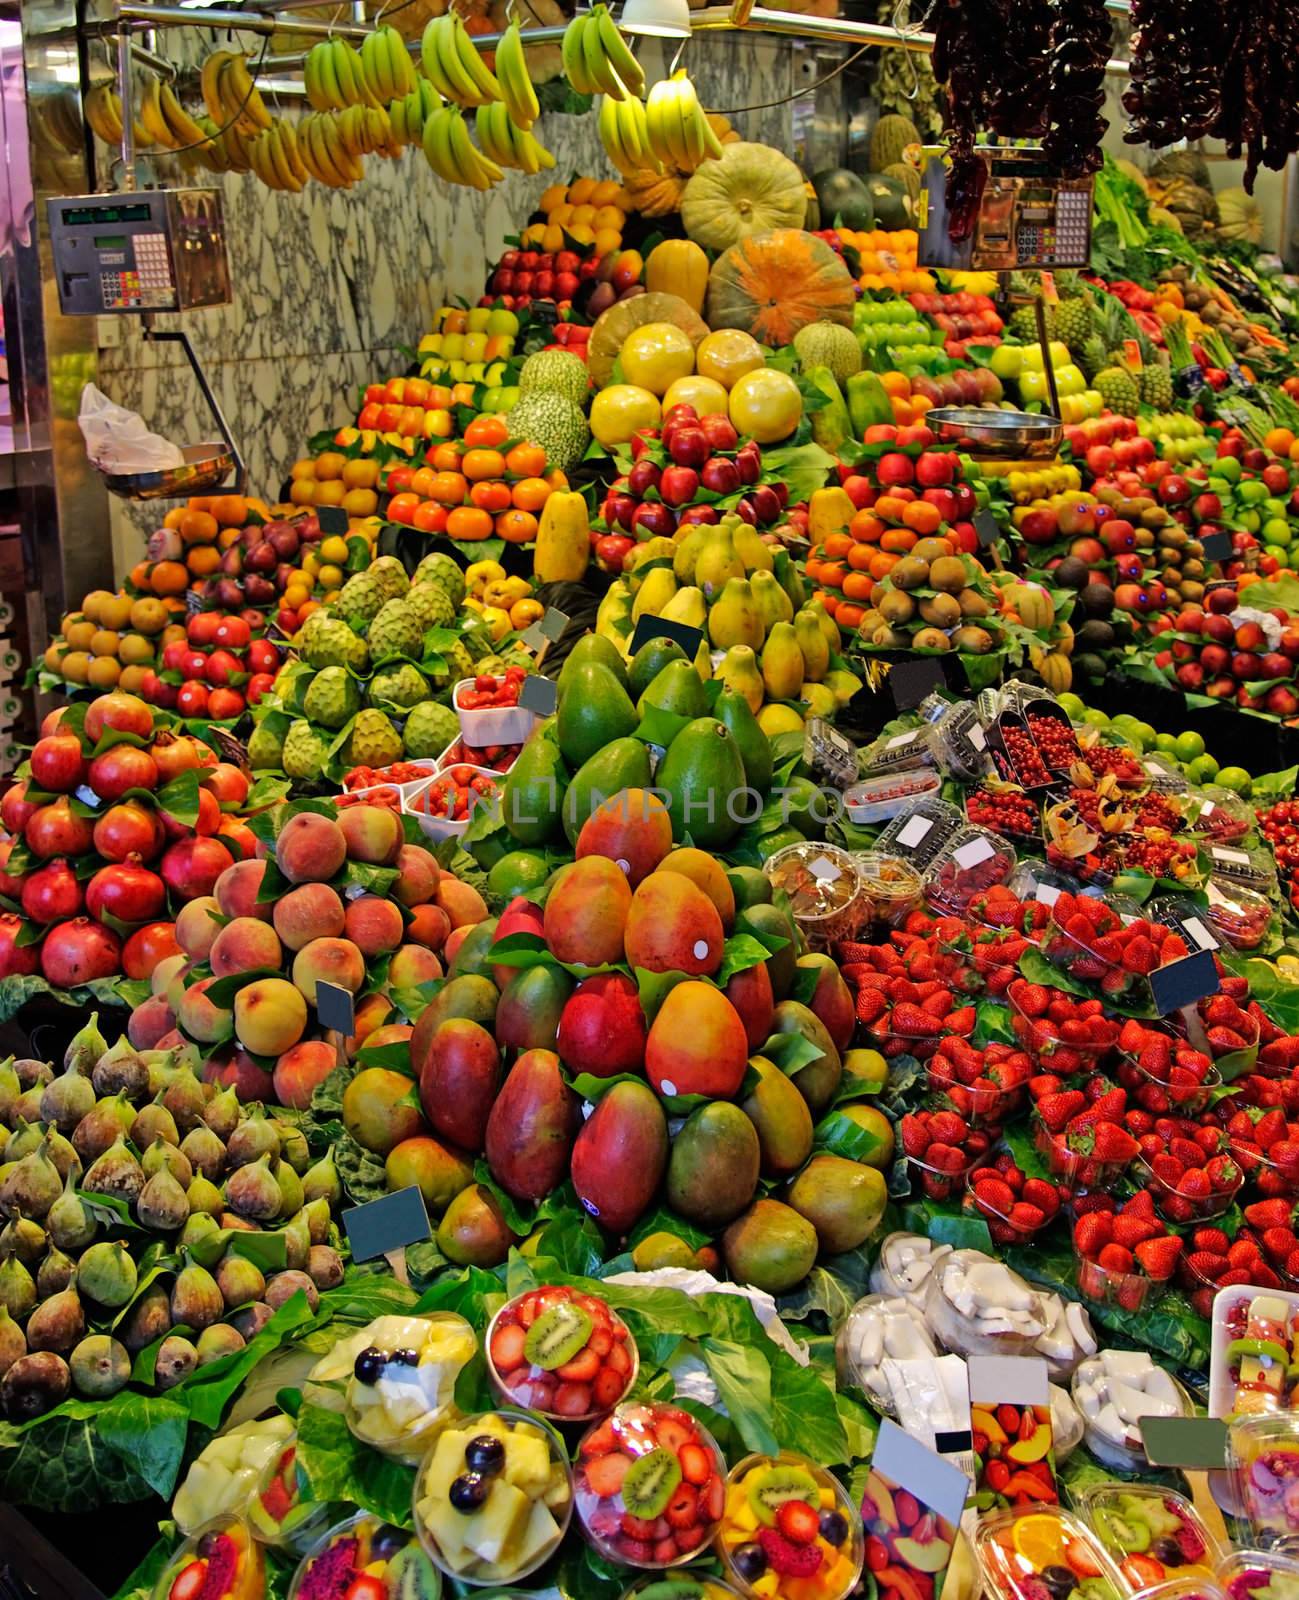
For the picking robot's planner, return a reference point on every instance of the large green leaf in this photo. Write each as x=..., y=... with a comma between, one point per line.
x=339, y=1467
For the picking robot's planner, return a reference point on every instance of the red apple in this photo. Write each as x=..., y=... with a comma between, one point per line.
x=720, y=475
x=679, y=485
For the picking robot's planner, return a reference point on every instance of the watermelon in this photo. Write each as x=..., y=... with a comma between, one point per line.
x=889, y=200
x=841, y=195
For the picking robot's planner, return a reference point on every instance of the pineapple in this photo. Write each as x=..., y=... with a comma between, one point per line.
x=1157, y=386
x=1073, y=322
x=1023, y=325
x=1118, y=389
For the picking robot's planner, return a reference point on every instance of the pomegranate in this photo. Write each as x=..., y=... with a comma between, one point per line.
x=192, y=866
x=78, y=951
x=123, y=713
x=238, y=837
x=208, y=820
x=11, y=883
x=16, y=961
x=227, y=783
x=15, y=807
x=52, y=720
x=129, y=828
x=57, y=763
x=126, y=890
x=58, y=830
x=147, y=946
x=174, y=753
x=121, y=768
x=52, y=893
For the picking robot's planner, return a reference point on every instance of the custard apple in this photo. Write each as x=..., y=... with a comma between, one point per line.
x=458, y=664
x=430, y=728
x=265, y=747
x=305, y=751
x=439, y=568
x=396, y=631
x=327, y=641
x=431, y=604
x=401, y=685
x=333, y=697
x=361, y=596
x=391, y=577
x=373, y=742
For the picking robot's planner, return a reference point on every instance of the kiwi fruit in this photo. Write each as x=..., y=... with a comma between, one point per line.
x=930, y=549
x=673, y=1589
x=650, y=1483
x=557, y=1335
x=943, y=611
x=769, y=1490
x=948, y=575
x=934, y=639
x=1127, y=1533
x=910, y=573
x=974, y=641
x=895, y=607
x=973, y=604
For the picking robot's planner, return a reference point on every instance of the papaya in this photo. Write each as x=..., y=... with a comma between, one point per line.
x=624, y=764
x=563, y=547
x=773, y=604
x=831, y=425
x=735, y=712
x=649, y=661
x=782, y=663
x=533, y=797
x=594, y=710
x=717, y=561
x=812, y=643
x=655, y=591
x=699, y=776
x=688, y=607
x=734, y=618
x=739, y=671
x=752, y=549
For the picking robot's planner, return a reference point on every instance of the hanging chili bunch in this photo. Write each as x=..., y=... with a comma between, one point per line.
x=1017, y=107
x=1177, y=54
x=1259, y=114
x=965, y=33
x=1080, y=49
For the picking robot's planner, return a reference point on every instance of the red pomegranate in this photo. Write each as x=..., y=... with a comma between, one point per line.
x=58, y=763
x=207, y=821
x=77, y=951
x=11, y=883
x=51, y=720
x=174, y=753
x=191, y=866
x=126, y=890
x=129, y=829
x=227, y=783
x=16, y=961
x=238, y=837
x=15, y=808
x=121, y=768
x=123, y=713
x=147, y=946
x=52, y=893
x=57, y=830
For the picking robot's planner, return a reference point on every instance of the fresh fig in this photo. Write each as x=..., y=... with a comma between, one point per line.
x=217, y=1341
x=17, y=1289
x=98, y=1129
x=239, y=1280
x=175, y=1360
x=34, y=1385
x=55, y=1273
x=321, y=1182
x=23, y=1238
x=57, y=1323
x=324, y=1266
x=282, y=1286
x=147, y=1320
x=204, y=1152
x=195, y=1298
x=253, y=1138
x=152, y=1122
x=68, y=1221
x=163, y=1157
x=204, y=1197
x=162, y=1205
x=116, y=1173
x=66, y=1100
x=222, y=1113
x=32, y=1185
x=85, y=1048
x=13, y=1346
x=100, y=1366
x=252, y=1191
x=186, y=1099
x=107, y=1274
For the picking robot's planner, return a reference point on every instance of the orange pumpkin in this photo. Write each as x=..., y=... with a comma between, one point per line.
x=773, y=284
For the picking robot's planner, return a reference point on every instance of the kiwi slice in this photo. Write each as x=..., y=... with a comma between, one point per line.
x=768, y=1488
x=650, y=1483
x=673, y=1589
x=557, y=1335
x=1129, y=1534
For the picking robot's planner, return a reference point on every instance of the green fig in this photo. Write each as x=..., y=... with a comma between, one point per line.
x=253, y=1138
x=23, y=1140
x=195, y=1298
x=186, y=1099
x=318, y=1220
x=217, y=1341
x=297, y=1241
x=290, y=1183
x=33, y=1074
x=163, y=1157
x=23, y=1238
x=68, y=1221
x=33, y=1185
x=10, y=1089
x=204, y=1152
x=175, y=1360
x=107, y=1274
x=66, y=1100
x=293, y=1147
x=56, y=1272
x=198, y=1225
x=222, y=1112
x=239, y=1280
x=162, y=1205
x=152, y=1122
x=85, y=1048
x=117, y=1172
x=322, y=1181
x=204, y=1197
x=57, y=1323
x=100, y=1366
x=109, y=1120
x=253, y=1191
x=17, y=1288
x=66, y=1161
x=13, y=1345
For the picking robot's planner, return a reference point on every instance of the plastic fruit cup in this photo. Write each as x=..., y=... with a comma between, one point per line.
x=753, y=1548
x=1002, y=1229
x=1040, y=1039
x=1071, y=1166
x=1128, y=1291
x=681, y=1586
x=1015, y=1549
x=521, y=1491
x=1249, y=1573
x=227, y=1540
x=391, y=1556
x=893, y=885
x=1185, y=1208
x=982, y=1107
x=1136, y=1520
x=1272, y=1179
x=936, y=1184
x=1263, y=1454
x=1063, y=950
x=827, y=899
x=589, y=1383
x=278, y=1514
x=656, y=1514
x=1156, y=1095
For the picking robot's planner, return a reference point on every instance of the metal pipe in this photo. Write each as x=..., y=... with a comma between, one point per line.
x=155, y=63
x=128, y=105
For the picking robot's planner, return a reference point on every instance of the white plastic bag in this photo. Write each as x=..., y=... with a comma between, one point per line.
x=118, y=441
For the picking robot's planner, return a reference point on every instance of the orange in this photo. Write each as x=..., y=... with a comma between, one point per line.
x=896, y=383
x=526, y=461
x=361, y=474
x=858, y=586
x=402, y=507
x=516, y=527
x=198, y=527
x=530, y=494
x=556, y=479
x=172, y=519
x=850, y=616
x=330, y=464
x=225, y=539
x=140, y=576
x=330, y=493
x=920, y=403
x=449, y=489
x=360, y=502
x=832, y=604
x=203, y=560
x=446, y=457
x=422, y=481
x=832, y=574
x=860, y=556
x=903, y=412
x=486, y=432
x=867, y=527
x=1279, y=441
x=490, y=496
x=898, y=539
x=468, y=522
x=230, y=510
x=812, y=567
x=430, y=517
x=922, y=516
x=836, y=546
x=168, y=577
x=882, y=563
x=481, y=464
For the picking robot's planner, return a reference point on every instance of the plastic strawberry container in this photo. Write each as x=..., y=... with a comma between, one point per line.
x=1247, y=869
x=1041, y=1040
x=1002, y=1229
x=973, y=859
x=1152, y=1534
x=1272, y=1178
x=984, y=1106
x=588, y=1384
x=1259, y=1575
x=745, y=1535
x=491, y=724
x=228, y=1540
x=886, y=795
x=377, y=1551
x=894, y=886
x=1127, y=1291
x=919, y=834
x=1239, y=916
x=1184, y=1207
x=934, y=1183
x=1075, y=1167
x=436, y=825
x=1015, y=1549
x=1155, y=1094
x=827, y=898
x=1263, y=1456
x=1218, y=816
x=671, y=1514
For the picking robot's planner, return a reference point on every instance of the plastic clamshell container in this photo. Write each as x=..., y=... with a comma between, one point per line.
x=1263, y=1455
x=1240, y=917
x=455, y=756
x=1102, y=1508
x=1189, y=1588
x=884, y=796
x=435, y=826
x=300, y=1521
x=1251, y=1380
x=1106, y=1286
x=972, y=860
x=1003, y=1230
x=866, y=1339
x=248, y=1581
x=1217, y=816
x=1161, y=1098
x=525, y=1384
x=963, y=1334
x=840, y=1567
x=827, y=897
x=381, y=1547
x=637, y=1429
x=1162, y=775
x=1255, y=1574
x=1249, y=869
x=1068, y=952
x=1196, y=1208
x=982, y=1107
x=1041, y=1040
x=909, y=751
x=933, y=1182
x=1010, y=1552
x=676, y=1585
x=491, y=724
x=1124, y=1454
x=894, y=886
x=919, y=834
x=958, y=737
x=539, y=1515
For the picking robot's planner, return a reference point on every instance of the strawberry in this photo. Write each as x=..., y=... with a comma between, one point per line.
x=1158, y=1257
x=1092, y=1233
x=1115, y=1258
x=1207, y=1265
x=1210, y=1239
x=994, y=1193
x=1141, y=1204
x=947, y=1128
x=1113, y=1144
x=1038, y=1192
x=1269, y=1214
x=1025, y=1217
x=915, y=1135
x=1108, y=1108
x=1132, y=1231
x=1055, y=1110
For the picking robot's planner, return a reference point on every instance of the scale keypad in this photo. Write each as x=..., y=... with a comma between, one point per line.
x=147, y=283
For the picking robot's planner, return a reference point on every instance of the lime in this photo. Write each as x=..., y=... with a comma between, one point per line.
x=1146, y=734
x=1236, y=779
x=1166, y=742
x=1188, y=745
x=515, y=874
x=1072, y=706
x=1095, y=719
x=1202, y=769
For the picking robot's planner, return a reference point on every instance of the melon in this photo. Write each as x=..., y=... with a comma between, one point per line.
x=892, y=135
x=776, y=283
x=890, y=200
x=750, y=189
x=902, y=172
x=624, y=317
x=828, y=344
x=1240, y=216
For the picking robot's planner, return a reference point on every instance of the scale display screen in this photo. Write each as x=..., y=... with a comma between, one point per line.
x=155, y=250
x=110, y=241
x=1029, y=216
x=82, y=216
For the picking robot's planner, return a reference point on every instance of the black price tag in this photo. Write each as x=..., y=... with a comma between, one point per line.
x=1190, y=1443
x=911, y=681
x=539, y=695
x=1182, y=983
x=553, y=622
x=390, y=1223
x=534, y=638
x=1216, y=546
x=987, y=529
x=336, y=1008
x=648, y=628
x=332, y=520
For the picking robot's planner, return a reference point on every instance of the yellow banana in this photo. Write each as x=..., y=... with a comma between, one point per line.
x=104, y=113
x=210, y=85
x=374, y=64
x=489, y=137
x=348, y=124
x=397, y=121
x=477, y=70
x=436, y=144
x=532, y=156
x=512, y=75
x=284, y=167
x=155, y=124
x=692, y=118
x=400, y=65
x=634, y=135
x=350, y=165
x=319, y=77
x=599, y=69
x=259, y=149
x=351, y=79
x=611, y=136
x=573, y=55
x=431, y=61
x=293, y=151
x=667, y=136
x=305, y=154
x=237, y=149
x=184, y=129
x=244, y=97
x=713, y=146
x=618, y=52
x=464, y=90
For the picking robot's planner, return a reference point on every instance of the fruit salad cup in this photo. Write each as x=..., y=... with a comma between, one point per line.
x=365, y=1558
x=560, y=1353
x=278, y=1513
x=1043, y=1555
x=908, y=1546
x=221, y=1562
x=1255, y=1575
x=680, y=1586
x=1012, y=1446
x=395, y=1380
x=790, y=1531
x=1263, y=1453
x=650, y=1485
x=827, y=898
x=493, y=1497
x=1153, y=1535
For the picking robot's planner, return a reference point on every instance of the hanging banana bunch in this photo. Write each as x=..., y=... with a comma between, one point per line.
x=597, y=59
x=328, y=153
x=103, y=109
x=624, y=132
x=516, y=85
x=451, y=153
x=679, y=132
x=408, y=114
x=507, y=144
x=334, y=76
x=276, y=159
x=230, y=94
x=453, y=65
x=386, y=65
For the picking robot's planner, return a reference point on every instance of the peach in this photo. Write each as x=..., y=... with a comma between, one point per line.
x=149, y=1022
x=708, y=874
x=196, y=931
x=586, y=912
x=370, y=1014
x=374, y=926
x=198, y=1017
x=336, y=961
x=417, y=876
x=372, y=833
x=428, y=925
x=461, y=902
x=310, y=848
x=389, y=1033
x=313, y=911
x=270, y=1016
x=231, y=1067
x=632, y=828
x=673, y=926
x=237, y=888
x=244, y=945
x=412, y=964
x=165, y=974
x=455, y=939
x=300, y=1069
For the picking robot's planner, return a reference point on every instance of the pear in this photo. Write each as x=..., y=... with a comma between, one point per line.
x=116, y=1173
x=85, y=1048
x=32, y=1185
x=152, y=1122
x=321, y=1180
x=107, y=1274
x=162, y=1205
x=66, y=1100
x=56, y=1272
x=253, y=1192
x=13, y=1345
x=254, y=1137
x=204, y=1152
x=195, y=1298
x=164, y=1157
x=69, y=1222
x=222, y=1112
x=57, y=1323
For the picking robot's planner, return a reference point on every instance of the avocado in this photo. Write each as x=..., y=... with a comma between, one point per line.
x=732, y=710
x=701, y=776
x=533, y=796
x=594, y=710
x=593, y=647
x=624, y=764
x=649, y=661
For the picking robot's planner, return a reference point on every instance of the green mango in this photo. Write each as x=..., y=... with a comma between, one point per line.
x=649, y=661
x=679, y=689
x=624, y=764
x=700, y=773
x=533, y=796
x=594, y=710
x=593, y=647
x=732, y=710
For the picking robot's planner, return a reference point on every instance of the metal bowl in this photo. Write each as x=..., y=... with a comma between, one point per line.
x=205, y=467
x=1015, y=435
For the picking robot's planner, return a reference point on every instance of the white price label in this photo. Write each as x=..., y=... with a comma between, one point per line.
x=902, y=738
x=1240, y=857
x=978, y=738
x=1047, y=894
x=1206, y=807
x=914, y=832
x=1196, y=930
x=824, y=870
x=973, y=852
